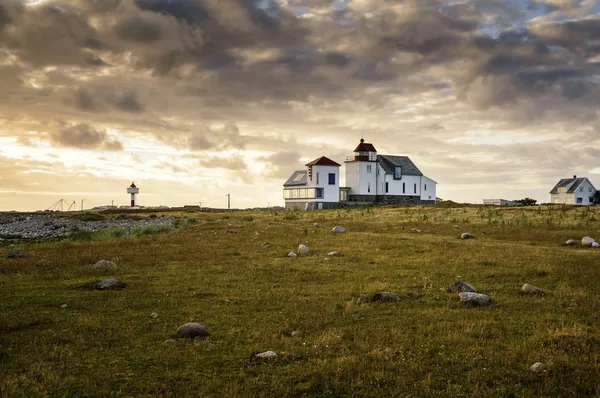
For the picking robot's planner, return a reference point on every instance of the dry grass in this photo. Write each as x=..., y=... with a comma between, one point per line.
x=252, y=298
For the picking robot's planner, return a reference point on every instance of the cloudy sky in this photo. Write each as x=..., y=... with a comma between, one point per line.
x=194, y=99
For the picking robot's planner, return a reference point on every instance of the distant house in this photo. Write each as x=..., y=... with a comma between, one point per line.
x=316, y=187
x=501, y=202
x=573, y=191
x=370, y=178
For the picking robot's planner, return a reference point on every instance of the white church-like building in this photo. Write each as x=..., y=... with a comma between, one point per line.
x=370, y=178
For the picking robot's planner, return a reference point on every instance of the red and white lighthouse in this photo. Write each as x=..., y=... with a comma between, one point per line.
x=133, y=190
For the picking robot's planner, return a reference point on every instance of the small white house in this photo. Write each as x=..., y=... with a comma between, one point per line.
x=501, y=202
x=573, y=191
x=317, y=187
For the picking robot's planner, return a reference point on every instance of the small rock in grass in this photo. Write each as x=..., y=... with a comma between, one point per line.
x=170, y=341
x=64, y=306
x=105, y=264
x=570, y=242
x=587, y=241
x=337, y=228
x=474, y=298
x=266, y=244
x=292, y=254
x=295, y=333
x=334, y=254
x=529, y=289
x=231, y=231
x=538, y=367
x=303, y=249
x=154, y=315
x=266, y=354
x=385, y=297
x=109, y=284
x=595, y=245
x=467, y=235
x=315, y=225
x=461, y=286
x=17, y=254
x=192, y=330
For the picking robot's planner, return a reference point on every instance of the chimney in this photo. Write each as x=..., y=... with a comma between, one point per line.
x=574, y=176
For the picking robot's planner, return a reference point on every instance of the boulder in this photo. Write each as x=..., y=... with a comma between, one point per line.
x=474, y=298
x=266, y=244
x=529, y=289
x=109, y=284
x=266, y=354
x=587, y=241
x=466, y=235
x=570, y=242
x=334, y=254
x=105, y=264
x=385, y=297
x=303, y=249
x=337, y=228
x=461, y=286
x=192, y=330
x=595, y=245
x=17, y=254
x=538, y=367
x=292, y=254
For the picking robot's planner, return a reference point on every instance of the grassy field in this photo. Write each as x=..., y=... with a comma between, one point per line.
x=251, y=298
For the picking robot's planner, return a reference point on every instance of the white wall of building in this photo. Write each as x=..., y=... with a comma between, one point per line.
x=584, y=192
x=428, y=188
x=395, y=186
x=331, y=193
x=361, y=176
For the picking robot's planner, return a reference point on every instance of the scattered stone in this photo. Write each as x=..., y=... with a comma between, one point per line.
x=385, y=297
x=292, y=254
x=105, y=264
x=334, y=254
x=474, y=298
x=361, y=300
x=467, y=235
x=266, y=354
x=595, y=245
x=64, y=306
x=231, y=231
x=538, y=367
x=303, y=249
x=461, y=286
x=192, y=330
x=315, y=225
x=266, y=244
x=529, y=289
x=326, y=259
x=17, y=254
x=570, y=242
x=337, y=228
x=109, y=284
x=295, y=333
x=170, y=341
x=587, y=241
x=415, y=230
x=154, y=315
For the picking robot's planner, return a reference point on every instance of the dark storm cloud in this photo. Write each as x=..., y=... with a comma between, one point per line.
x=83, y=136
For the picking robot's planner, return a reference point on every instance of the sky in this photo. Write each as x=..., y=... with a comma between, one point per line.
x=196, y=99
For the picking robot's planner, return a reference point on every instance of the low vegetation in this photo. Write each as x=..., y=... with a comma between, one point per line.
x=60, y=338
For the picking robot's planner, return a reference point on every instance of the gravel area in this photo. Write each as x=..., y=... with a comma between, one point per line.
x=44, y=226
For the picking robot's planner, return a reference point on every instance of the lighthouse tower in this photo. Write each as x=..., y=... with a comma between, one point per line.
x=133, y=190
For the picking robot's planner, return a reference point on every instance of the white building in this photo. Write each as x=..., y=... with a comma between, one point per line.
x=370, y=178
x=501, y=202
x=317, y=187
x=573, y=191
x=386, y=178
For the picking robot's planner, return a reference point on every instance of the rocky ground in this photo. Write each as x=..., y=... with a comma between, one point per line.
x=45, y=226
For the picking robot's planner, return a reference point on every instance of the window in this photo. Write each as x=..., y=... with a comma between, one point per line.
x=415, y=187
x=591, y=199
x=398, y=173
x=319, y=193
x=387, y=187
x=317, y=178
x=368, y=186
x=579, y=200
x=303, y=193
x=403, y=187
x=369, y=168
x=331, y=178
x=589, y=189
x=425, y=187
x=581, y=189
x=429, y=196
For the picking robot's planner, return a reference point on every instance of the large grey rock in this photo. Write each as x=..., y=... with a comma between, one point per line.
x=461, y=286
x=109, y=284
x=538, y=367
x=192, y=330
x=570, y=242
x=17, y=254
x=474, y=298
x=466, y=235
x=105, y=264
x=587, y=241
x=267, y=354
x=385, y=297
x=303, y=249
x=337, y=228
x=595, y=245
x=530, y=289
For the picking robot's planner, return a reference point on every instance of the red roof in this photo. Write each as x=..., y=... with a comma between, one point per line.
x=132, y=185
x=323, y=161
x=365, y=147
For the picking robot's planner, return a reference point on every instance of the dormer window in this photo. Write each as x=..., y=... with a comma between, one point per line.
x=397, y=173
